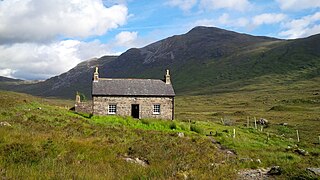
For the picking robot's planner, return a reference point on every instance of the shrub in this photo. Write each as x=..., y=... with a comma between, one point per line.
x=173, y=125
x=196, y=129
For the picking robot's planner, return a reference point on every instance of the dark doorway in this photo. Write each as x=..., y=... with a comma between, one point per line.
x=135, y=110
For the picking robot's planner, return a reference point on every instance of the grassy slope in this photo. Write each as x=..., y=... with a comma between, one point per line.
x=53, y=142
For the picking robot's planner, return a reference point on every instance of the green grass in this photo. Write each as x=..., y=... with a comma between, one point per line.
x=48, y=141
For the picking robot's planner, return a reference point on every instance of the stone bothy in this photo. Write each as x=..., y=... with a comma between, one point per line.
x=139, y=98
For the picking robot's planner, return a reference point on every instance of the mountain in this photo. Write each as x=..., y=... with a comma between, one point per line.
x=67, y=84
x=5, y=79
x=203, y=61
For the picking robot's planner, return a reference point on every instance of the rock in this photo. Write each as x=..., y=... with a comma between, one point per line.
x=315, y=171
x=5, y=124
x=284, y=124
x=262, y=121
x=253, y=174
x=258, y=161
x=229, y=152
x=275, y=170
x=181, y=134
x=289, y=148
x=301, y=152
x=137, y=161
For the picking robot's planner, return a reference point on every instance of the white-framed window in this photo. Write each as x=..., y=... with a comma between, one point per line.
x=156, y=109
x=112, y=109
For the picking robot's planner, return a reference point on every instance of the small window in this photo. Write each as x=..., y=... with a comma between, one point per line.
x=112, y=109
x=156, y=109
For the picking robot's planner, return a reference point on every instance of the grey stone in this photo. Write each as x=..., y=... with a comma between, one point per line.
x=315, y=171
x=136, y=161
x=263, y=121
x=275, y=170
x=85, y=107
x=100, y=106
x=301, y=152
x=180, y=134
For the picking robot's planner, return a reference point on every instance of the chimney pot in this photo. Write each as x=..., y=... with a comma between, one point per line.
x=167, y=77
x=96, y=75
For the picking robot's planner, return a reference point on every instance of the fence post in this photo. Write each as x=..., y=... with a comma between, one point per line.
x=255, y=123
x=298, y=138
x=234, y=133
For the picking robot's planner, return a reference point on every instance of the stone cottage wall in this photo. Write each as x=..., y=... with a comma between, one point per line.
x=85, y=107
x=101, y=104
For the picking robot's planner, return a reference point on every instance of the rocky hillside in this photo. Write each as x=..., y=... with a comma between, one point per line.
x=5, y=79
x=203, y=61
x=65, y=85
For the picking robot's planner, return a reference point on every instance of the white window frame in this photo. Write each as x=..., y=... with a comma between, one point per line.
x=112, y=107
x=156, y=109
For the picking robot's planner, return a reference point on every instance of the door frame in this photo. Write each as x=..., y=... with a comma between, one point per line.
x=135, y=113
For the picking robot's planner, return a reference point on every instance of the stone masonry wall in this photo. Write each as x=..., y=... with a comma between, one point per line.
x=101, y=104
x=85, y=107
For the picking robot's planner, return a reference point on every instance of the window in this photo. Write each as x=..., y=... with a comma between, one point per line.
x=112, y=109
x=156, y=109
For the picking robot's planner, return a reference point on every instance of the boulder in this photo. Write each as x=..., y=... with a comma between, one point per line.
x=136, y=161
x=275, y=170
x=262, y=121
x=301, y=152
x=181, y=134
x=315, y=171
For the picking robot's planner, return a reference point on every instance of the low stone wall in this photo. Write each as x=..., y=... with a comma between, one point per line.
x=84, y=107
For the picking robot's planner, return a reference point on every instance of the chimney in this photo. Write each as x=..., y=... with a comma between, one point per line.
x=78, y=100
x=96, y=75
x=167, y=77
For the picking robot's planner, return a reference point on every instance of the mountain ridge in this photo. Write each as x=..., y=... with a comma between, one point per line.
x=202, y=61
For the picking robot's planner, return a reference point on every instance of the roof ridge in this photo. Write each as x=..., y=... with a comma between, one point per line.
x=128, y=79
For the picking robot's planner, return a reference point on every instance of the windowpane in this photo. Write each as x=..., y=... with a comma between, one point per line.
x=156, y=109
x=112, y=109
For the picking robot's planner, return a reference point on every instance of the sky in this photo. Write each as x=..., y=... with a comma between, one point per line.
x=44, y=38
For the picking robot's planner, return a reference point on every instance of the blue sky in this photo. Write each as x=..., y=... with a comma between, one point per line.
x=40, y=39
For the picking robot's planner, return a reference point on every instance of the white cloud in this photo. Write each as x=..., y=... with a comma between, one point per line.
x=129, y=39
x=31, y=33
x=39, y=21
x=239, y=5
x=35, y=61
x=223, y=21
x=126, y=38
x=303, y=27
x=203, y=22
x=182, y=4
x=268, y=18
x=6, y=72
x=298, y=4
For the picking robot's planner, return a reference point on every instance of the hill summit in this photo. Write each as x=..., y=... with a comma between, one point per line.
x=202, y=61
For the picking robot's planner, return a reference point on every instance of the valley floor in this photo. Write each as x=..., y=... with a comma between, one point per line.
x=42, y=139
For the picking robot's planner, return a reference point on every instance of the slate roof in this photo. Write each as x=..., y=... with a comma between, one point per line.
x=131, y=87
